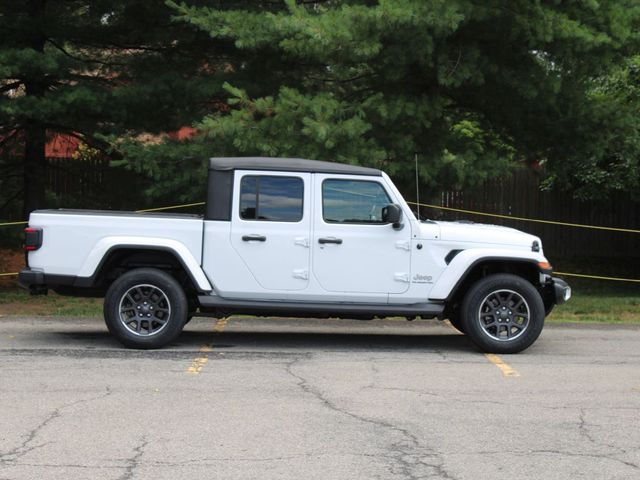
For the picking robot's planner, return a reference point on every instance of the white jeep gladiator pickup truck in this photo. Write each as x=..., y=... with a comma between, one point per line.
x=294, y=237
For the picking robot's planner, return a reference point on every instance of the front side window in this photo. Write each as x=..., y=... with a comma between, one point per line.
x=270, y=198
x=353, y=201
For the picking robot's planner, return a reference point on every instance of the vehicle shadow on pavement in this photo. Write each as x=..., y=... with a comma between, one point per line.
x=286, y=340
x=281, y=341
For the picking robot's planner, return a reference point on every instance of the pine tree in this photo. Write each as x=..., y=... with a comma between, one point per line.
x=96, y=70
x=471, y=87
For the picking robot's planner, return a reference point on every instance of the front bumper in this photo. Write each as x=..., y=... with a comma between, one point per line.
x=561, y=289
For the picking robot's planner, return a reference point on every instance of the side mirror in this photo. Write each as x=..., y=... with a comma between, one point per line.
x=393, y=214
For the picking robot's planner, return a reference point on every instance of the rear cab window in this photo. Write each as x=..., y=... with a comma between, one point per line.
x=271, y=198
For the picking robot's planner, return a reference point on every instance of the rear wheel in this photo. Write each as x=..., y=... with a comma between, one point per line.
x=145, y=308
x=503, y=313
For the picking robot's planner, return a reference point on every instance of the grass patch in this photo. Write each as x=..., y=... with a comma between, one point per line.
x=19, y=302
x=600, y=302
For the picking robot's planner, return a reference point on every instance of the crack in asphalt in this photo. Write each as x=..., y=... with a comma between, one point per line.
x=69, y=465
x=598, y=456
x=583, y=427
x=586, y=455
x=134, y=462
x=406, y=451
x=201, y=462
x=210, y=461
x=11, y=456
x=402, y=389
x=129, y=355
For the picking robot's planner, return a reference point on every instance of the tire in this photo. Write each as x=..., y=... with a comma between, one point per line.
x=145, y=308
x=456, y=321
x=502, y=313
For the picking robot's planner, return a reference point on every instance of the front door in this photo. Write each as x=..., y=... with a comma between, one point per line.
x=271, y=227
x=354, y=251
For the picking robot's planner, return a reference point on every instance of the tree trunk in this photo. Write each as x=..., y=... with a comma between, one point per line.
x=34, y=167
x=35, y=130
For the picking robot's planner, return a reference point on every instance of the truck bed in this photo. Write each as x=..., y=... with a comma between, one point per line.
x=117, y=213
x=76, y=240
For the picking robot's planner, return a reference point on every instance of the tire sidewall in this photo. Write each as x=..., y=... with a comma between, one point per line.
x=159, y=279
x=456, y=321
x=476, y=295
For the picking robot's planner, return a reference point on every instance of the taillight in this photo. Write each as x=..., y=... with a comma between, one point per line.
x=32, y=238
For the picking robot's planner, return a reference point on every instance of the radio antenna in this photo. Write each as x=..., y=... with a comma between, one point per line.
x=417, y=188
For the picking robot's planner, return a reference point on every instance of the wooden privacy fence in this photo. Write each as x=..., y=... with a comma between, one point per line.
x=92, y=183
x=519, y=195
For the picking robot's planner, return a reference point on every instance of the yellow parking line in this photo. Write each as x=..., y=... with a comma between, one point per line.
x=220, y=325
x=199, y=362
x=197, y=365
x=448, y=324
x=506, y=369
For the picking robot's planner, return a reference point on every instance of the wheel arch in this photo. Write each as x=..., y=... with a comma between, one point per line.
x=120, y=258
x=483, y=267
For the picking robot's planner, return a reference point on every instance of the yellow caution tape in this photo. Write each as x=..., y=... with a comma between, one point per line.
x=170, y=207
x=13, y=223
x=597, y=277
x=471, y=212
x=509, y=217
x=524, y=219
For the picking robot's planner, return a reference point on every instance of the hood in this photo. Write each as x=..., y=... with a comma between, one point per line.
x=468, y=232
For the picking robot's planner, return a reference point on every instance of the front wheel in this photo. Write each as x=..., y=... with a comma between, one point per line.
x=503, y=313
x=145, y=308
x=455, y=320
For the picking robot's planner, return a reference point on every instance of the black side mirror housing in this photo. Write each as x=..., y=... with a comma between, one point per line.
x=393, y=214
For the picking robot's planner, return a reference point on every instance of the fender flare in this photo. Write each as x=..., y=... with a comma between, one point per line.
x=103, y=249
x=464, y=263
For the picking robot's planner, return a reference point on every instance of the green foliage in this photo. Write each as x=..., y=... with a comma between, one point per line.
x=96, y=70
x=606, y=154
x=471, y=87
x=177, y=169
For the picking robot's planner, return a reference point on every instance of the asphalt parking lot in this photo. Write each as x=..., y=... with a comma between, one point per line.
x=248, y=398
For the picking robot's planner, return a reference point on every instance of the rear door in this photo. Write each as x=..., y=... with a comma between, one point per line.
x=271, y=227
x=354, y=251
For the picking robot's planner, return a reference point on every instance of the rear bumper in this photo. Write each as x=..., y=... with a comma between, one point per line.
x=38, y=282
x=28, y=277
x=562, y=290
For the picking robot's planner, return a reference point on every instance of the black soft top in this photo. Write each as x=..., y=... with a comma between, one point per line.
x=288, y=165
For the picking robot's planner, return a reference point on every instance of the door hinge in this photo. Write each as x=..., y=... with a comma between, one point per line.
x=403, y=245
x=302, y=241
x=401, y=277
x=301, y=274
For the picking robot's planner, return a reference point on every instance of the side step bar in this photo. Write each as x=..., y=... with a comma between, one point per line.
x=310, y=309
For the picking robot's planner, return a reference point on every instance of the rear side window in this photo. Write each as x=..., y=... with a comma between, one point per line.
x=353, y=201
x=271, y=198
